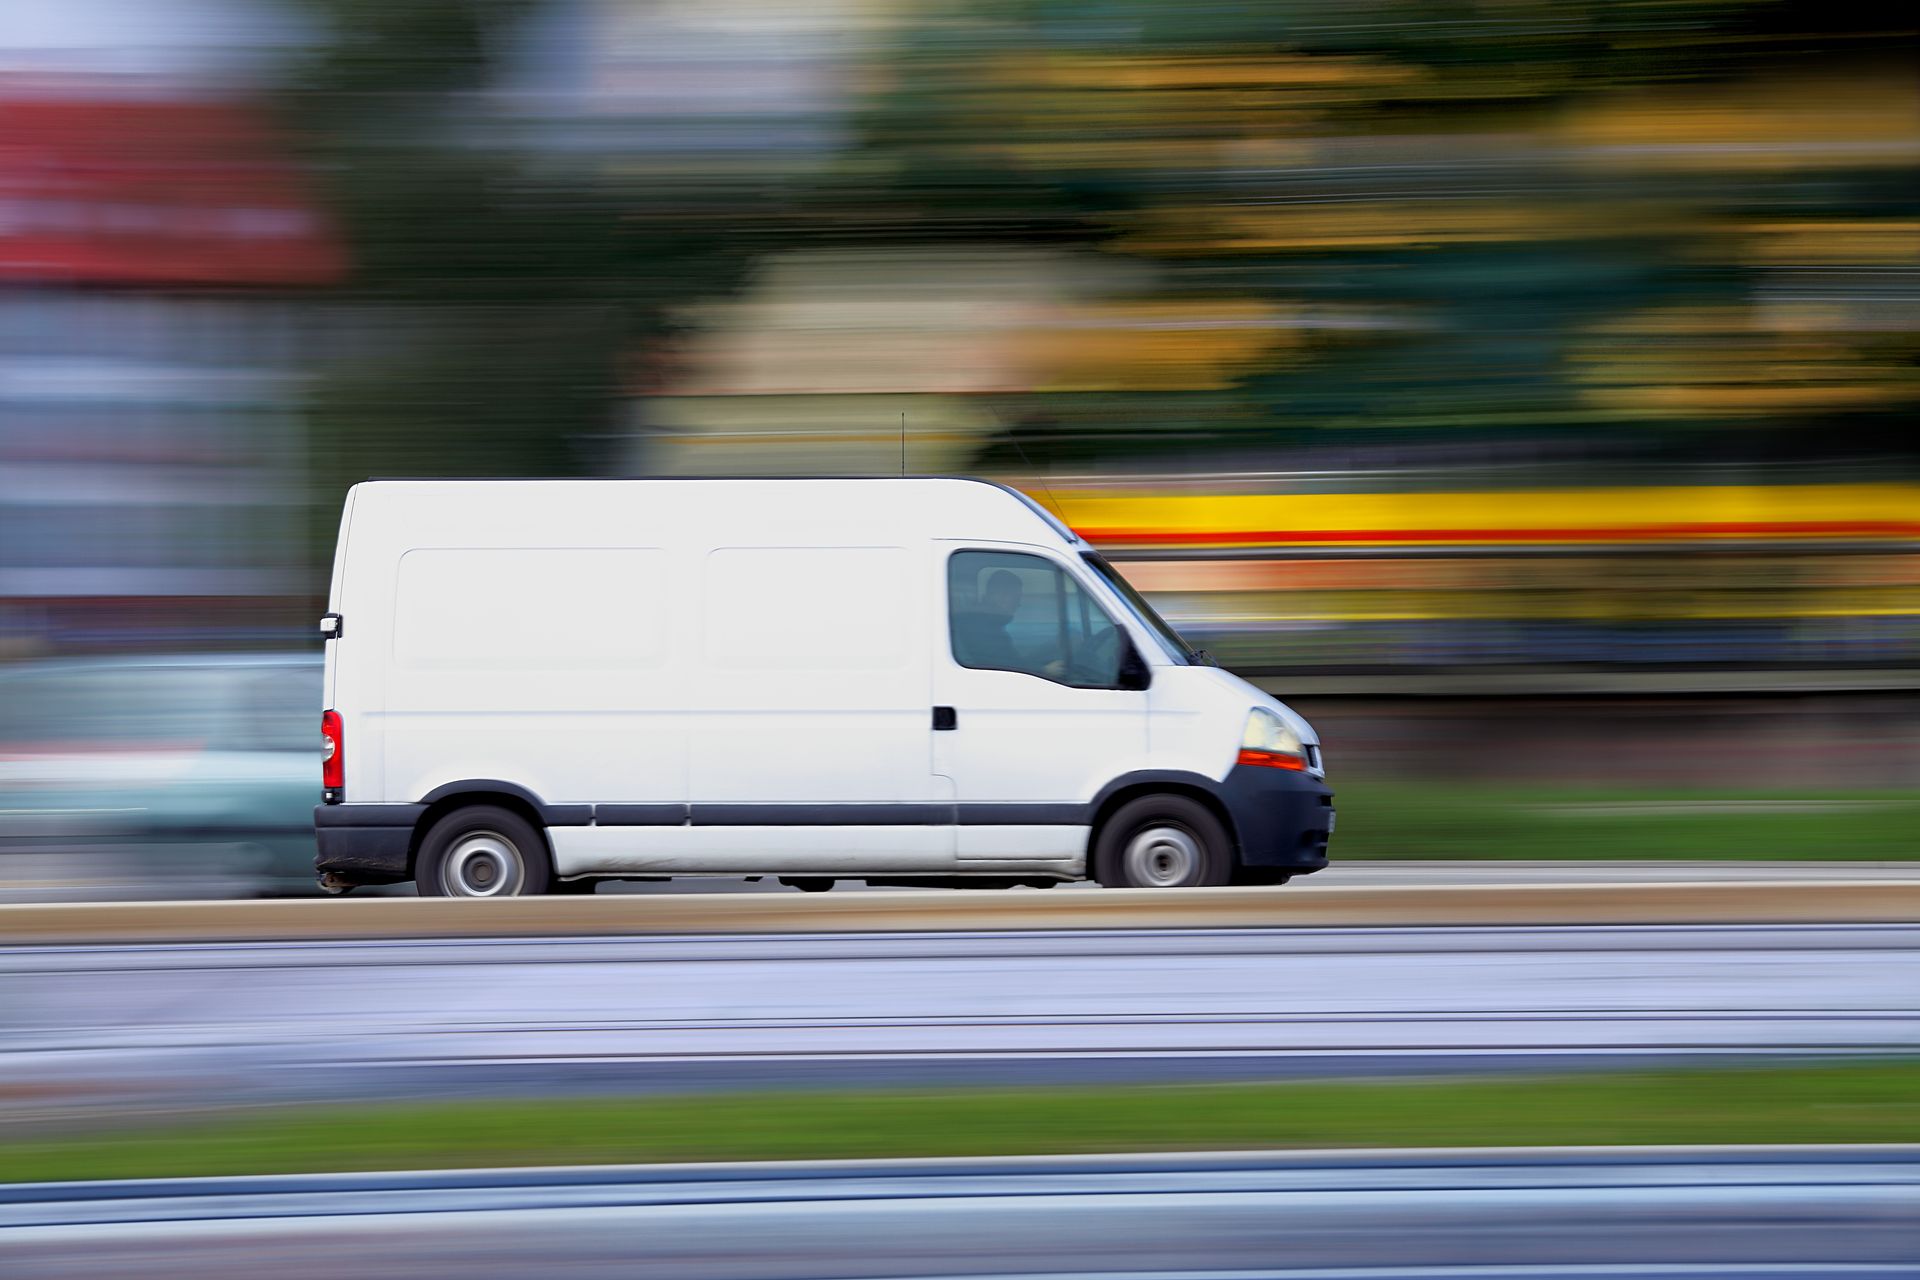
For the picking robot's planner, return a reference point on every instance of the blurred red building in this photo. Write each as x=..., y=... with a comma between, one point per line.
x=155, y=259
x=153, y=194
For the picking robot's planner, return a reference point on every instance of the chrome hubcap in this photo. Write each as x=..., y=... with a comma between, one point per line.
x=482, y=865
x=1162, y=858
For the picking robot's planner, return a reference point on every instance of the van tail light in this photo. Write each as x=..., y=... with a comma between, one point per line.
x=333, y=754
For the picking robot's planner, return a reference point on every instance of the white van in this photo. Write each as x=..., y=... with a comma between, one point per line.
x=533, y=685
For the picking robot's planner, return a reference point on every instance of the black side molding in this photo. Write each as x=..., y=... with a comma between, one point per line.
x=822, y=815
x=1025, y=815
x=640, y=815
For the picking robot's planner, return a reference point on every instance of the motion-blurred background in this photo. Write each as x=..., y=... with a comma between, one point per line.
x=1524, y=390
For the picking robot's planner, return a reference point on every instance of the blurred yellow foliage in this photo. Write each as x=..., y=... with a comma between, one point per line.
x=1162, y=345
x=1865, y=120
x=1149, y=153
x=1383, y=225
x=1249, y=72
x=1883, y=240
x=1713, y=361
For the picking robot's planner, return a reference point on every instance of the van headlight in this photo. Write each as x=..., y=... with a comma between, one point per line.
x=1271, y=743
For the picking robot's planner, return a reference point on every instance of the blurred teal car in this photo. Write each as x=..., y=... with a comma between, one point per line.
x=158, y=777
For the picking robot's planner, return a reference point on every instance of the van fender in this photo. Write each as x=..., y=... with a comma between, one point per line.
x=1159, y=781
x=551, y=815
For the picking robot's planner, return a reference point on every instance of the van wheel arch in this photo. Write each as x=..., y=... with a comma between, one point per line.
x=441, y=802
x=1123, y=790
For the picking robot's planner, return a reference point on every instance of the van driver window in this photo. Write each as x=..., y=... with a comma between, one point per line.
x=1012, y=612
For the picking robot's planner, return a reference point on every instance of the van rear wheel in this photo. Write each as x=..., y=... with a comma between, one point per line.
x=1163, y=842
x=483, y=852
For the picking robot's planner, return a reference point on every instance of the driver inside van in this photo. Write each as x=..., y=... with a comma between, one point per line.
x=980, y=636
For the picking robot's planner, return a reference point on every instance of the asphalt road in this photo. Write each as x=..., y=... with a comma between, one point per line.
x=1565, y=1215
x=172, y=1025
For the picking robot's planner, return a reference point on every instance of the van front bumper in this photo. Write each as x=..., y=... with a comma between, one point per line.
x=1283, y=818
x=365, y=843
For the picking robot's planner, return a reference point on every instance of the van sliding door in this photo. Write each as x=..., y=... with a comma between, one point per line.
x=809, y=739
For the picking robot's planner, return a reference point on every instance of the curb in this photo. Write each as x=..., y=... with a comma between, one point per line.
x=1670, y=903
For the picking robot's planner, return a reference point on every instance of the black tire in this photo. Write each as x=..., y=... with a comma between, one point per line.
x=1163, y=842
x=460, y=847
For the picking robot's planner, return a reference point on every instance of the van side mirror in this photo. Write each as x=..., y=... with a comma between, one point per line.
x=1134, y=671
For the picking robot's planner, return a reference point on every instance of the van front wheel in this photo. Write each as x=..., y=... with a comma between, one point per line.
x=483, y=852
x=1162, y=842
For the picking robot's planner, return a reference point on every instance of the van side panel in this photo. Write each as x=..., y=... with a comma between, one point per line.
x=811, y=680
x=543, y=665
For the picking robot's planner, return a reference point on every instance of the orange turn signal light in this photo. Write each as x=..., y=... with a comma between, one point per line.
x=1272, y=759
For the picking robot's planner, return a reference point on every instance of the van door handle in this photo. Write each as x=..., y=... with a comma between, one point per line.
x=944, y=718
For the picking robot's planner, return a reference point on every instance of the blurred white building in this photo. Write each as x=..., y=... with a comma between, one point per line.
x=701, y=87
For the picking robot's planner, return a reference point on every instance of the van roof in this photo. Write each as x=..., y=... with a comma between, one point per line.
x=673, y=479
x=1033, y=505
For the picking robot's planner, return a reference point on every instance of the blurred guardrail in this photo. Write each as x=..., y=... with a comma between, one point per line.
x=1571, y=1214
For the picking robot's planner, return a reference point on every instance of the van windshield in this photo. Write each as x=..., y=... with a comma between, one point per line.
x=1170, y=640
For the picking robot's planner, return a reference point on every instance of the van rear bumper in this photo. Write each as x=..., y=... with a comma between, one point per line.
x=365, y=843
x=1283, y=818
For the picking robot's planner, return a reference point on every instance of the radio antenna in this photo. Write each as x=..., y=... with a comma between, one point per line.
x=1014, y=439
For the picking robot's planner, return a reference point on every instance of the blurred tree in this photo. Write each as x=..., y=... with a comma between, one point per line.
x=1476, y=218
x=496, y=301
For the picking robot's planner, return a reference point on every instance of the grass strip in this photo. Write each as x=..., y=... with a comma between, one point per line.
x=1467, y=820
x=1863, y=1102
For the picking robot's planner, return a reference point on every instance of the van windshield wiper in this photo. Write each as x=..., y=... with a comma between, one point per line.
x=1175, y=643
